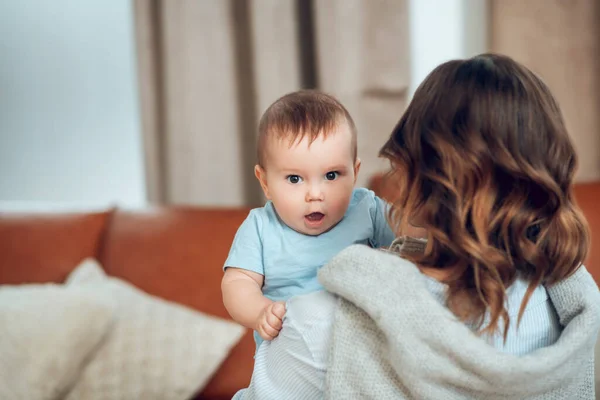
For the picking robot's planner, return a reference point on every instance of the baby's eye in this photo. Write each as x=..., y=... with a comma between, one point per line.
x=332, y=175
x=293, y=179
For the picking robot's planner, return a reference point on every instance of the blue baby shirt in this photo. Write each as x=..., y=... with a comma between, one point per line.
x=289, y=260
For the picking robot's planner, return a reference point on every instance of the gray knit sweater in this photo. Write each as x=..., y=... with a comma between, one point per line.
x=393, y=340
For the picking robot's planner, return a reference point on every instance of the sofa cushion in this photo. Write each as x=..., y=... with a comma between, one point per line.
x=156, y=349
x=40, y=248
x=48, y=333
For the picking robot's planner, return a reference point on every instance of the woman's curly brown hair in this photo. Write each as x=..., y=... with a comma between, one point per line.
x=482, y=160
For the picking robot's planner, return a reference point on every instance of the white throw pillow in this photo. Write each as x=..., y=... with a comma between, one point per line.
x=156, y=350
x=47, y=334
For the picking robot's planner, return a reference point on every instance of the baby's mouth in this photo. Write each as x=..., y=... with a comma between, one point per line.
x=315, y=217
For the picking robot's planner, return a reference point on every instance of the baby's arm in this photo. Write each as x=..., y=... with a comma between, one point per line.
x=247, y=305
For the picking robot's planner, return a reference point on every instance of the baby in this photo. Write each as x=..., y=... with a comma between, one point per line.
x=307, y=168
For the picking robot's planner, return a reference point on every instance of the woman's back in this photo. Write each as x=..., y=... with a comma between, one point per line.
x=392, y=340
x=539, y=326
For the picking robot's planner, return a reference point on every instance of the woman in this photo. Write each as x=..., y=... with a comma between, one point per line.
x=493, y=302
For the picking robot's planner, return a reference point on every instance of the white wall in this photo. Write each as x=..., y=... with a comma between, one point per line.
x=69, y=119
x=442, y=30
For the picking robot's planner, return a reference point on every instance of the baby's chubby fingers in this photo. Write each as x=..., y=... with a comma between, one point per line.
x=270, y=321
x=279, y=309
x=267, y=332
x=275, y=315
x=274, y=321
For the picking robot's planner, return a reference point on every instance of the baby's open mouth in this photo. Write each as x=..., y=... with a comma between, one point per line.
x=314, y=217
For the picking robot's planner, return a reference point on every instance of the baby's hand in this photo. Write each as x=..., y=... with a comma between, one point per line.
x=270, y=320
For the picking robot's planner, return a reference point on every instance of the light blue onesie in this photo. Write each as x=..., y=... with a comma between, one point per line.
x=290, y=260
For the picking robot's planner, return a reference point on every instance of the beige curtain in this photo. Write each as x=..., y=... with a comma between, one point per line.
x=559, y=40
x=209, y=68
x=363, y=52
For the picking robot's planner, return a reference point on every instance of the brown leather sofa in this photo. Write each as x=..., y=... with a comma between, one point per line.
x=174, y=252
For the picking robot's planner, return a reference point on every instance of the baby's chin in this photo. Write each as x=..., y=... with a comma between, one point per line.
x=309, y=232
x=316, y=231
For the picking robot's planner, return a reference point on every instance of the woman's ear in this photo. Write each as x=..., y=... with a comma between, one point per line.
x=356, y=168
x=261, y=175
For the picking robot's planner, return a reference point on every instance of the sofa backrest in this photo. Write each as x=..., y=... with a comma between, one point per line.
x=40, y=248
x=587, y=196
x=175, y=253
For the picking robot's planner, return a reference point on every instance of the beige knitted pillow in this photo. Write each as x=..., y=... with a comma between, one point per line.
x=157, y=349
x=47, y=333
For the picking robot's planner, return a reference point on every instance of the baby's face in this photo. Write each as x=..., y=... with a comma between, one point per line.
x=311, y=186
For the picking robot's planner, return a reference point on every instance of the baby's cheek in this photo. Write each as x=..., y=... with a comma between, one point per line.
x=342, y=203
x=337, y=212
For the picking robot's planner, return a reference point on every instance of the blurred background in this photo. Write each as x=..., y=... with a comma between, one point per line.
x=130, y=103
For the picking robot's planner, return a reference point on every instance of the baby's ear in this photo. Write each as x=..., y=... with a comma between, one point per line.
x=356, y=168
x=261, y=175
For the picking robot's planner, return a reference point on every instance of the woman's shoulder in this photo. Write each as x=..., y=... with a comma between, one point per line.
x=362, y=260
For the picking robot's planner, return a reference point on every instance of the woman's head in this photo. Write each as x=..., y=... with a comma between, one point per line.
x=482, y=160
